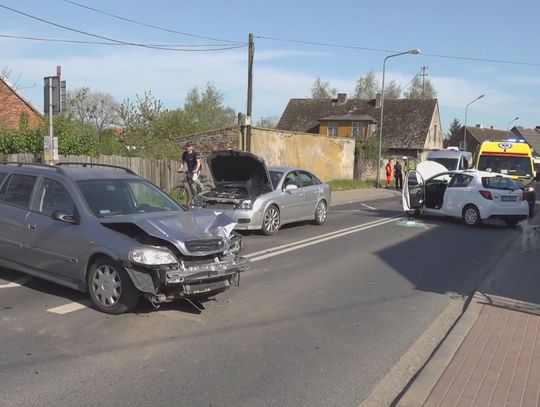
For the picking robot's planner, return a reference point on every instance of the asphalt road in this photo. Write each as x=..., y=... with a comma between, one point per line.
x=316, y=325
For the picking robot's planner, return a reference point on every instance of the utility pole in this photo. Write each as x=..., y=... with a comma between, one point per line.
x=54, y=100
x=423, y=74
x=251, y=52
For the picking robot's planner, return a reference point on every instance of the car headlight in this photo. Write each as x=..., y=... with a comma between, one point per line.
x=197, y=201
x=150, y=256
x=245, y=204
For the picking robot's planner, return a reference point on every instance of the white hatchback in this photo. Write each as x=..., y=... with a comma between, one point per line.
x=468, y=194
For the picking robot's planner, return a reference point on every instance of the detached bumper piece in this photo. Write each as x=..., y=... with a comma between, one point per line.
x=197, y=280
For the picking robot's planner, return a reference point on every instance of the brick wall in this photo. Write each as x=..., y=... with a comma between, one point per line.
x=13, y=108
x=207, y=142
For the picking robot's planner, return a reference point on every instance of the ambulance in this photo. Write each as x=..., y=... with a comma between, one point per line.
x=511, y=157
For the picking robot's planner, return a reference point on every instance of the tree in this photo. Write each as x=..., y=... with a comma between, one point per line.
x=96, y=109
x=322, y=90
x=392, y=90
x=269, y=122
x=421, y=88
x=455, y=127
x=206, y=109
x=366, y=86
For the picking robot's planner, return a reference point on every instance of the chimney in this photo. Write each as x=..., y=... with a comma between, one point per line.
x=479, y=125
x=377, y=100
x=342, y=98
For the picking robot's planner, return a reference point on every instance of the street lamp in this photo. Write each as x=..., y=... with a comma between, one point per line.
x=509, y=123
x=411, y=51
x=465, y=125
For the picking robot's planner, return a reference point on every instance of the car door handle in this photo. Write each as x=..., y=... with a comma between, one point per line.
x=32, y=227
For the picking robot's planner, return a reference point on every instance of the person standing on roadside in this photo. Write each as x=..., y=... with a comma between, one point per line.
x=389, y=172
x=398, y=175
x=192, y=163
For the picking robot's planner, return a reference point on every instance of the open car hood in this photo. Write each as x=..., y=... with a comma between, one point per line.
x=234, y=167
x=428, y=169
x=180, y=228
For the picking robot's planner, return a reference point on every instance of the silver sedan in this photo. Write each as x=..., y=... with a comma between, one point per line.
x=262, y=198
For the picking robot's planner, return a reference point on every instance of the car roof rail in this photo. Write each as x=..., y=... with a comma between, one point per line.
x=20, y=164
x=99, y=165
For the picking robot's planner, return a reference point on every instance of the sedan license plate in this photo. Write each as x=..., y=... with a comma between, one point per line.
x=509, y=198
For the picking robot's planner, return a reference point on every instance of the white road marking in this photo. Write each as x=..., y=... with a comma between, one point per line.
x=16, y=283
x=298, y=242
x=67, y=308
x=369, y=207
x=321, y=240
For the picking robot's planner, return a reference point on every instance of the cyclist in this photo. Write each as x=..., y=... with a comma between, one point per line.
x=192, y=161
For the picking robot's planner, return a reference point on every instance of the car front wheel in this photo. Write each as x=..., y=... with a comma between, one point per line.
x=471, y=215
x=271, y=221
x=110, y=287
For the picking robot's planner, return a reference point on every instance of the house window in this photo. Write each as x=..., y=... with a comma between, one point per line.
x=357, y=129
x=333, y=129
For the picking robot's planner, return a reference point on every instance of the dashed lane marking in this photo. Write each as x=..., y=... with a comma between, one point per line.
x=71, y=307
x=16, y=283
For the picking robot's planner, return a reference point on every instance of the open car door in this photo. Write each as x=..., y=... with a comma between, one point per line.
x=413, y=195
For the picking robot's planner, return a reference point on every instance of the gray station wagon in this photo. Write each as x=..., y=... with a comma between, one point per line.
x=113, y=234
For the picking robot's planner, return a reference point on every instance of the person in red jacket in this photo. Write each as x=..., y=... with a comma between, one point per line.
x=389, y=174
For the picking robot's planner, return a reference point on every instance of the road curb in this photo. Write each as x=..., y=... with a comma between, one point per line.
x=380, y=195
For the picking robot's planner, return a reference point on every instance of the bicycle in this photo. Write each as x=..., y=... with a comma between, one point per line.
x=182, y=193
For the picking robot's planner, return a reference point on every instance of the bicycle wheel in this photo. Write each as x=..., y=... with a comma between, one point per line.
x=180, y=194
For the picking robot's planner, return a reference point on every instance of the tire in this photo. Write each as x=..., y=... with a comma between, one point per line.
x=321, y=213
x=180, y=195
x=110, y=287
x=511, y=223
x=271, y=221
x=471, y=216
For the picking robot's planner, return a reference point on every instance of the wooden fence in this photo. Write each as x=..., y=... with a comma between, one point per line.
x=163, y=173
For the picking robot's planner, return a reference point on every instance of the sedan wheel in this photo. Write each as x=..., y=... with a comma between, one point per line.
x=111, y=288
x=321, y=212
x=471, y=216
x=271, y=221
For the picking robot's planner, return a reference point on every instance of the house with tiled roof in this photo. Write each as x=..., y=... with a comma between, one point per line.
x=15, y=108
x=410, y=127
x=475, y=135
x=531, y=135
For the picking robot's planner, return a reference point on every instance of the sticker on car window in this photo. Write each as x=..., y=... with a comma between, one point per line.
x=104, y=212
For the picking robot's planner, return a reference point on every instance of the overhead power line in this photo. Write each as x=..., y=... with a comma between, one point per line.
x=169, y=30
x=388, y=51
x=189, y=47
x=135, y=44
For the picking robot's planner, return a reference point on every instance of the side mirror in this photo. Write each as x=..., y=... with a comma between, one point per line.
x=291, y=188
x=62, y=216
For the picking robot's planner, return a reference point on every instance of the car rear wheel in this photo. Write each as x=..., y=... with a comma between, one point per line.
x=110, y=287
x=321, y=213
x=471, y=215
x=271, y=221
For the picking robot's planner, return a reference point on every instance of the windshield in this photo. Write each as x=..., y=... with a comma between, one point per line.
x=449, y=163
x=499, y=183
x=275, y=176
x=506, y=164
x=125, y=197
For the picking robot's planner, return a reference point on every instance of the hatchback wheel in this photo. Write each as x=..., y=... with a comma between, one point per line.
x=271, y=221
x=471, y=216
x=110, y=287
x=321, y=212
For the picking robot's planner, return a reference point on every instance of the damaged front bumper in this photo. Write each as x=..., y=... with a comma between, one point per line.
x=167, y=283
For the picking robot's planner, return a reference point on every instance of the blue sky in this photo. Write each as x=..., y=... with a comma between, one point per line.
x=494, y=29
